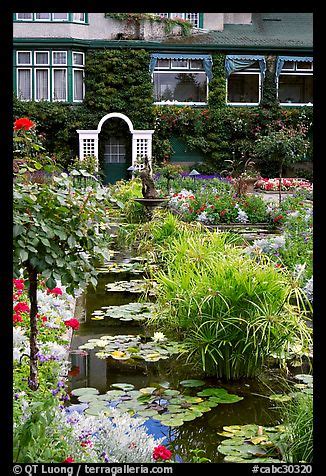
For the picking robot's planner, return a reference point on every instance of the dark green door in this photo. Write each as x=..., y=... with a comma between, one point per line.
x=115, y=160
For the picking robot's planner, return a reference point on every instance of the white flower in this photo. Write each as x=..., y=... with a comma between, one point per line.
x=242, y=216
x=19, y=338
x=158, y=337
x=16, y=353
x=57, y=351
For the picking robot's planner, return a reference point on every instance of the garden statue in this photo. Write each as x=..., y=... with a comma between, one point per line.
x=148, y=186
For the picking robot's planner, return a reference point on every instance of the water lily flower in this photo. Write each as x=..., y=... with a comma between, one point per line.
x=158, y=337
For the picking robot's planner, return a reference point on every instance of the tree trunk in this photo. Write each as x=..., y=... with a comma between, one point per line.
x=32, y=293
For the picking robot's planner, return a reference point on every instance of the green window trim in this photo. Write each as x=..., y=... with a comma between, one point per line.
x=201, y=20
x=69, y=67
x=69, y=20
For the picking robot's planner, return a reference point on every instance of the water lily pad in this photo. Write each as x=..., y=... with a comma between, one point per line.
x=123, y=386
x=192, y=383
x=147, y=413
x=171, y=392
x=173, y=422
x=220, y=395
x=95, y=411
x=193, y=399
x=119, y=355
x=88, y=397
x=78, y=392
x=147, y=390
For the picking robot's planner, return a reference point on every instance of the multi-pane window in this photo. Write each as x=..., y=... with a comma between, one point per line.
x=55, y=17
x=115, y=151
x=53, y=75
x=193, y=18
x=180, y=81
x=244, y=87
x=295, y=83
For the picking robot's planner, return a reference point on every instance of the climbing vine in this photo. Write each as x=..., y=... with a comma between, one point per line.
x=119, y=81
x=169, y=23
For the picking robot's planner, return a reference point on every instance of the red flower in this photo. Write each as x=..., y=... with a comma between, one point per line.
x=160, y=452
x=55, y=291
x=278, y=218
x=19, y=284
x=23, y=123
x=73, y=323
x=69, y=460
x=222, y=213
x=17, y=318
x=44, y=318
x=21, y=307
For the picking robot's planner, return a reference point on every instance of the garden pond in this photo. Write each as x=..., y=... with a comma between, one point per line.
x=116, y=361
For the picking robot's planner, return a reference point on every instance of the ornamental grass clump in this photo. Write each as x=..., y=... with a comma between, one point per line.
x=232, y=312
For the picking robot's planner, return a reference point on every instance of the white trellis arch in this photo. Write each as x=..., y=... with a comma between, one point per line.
x=141, y=140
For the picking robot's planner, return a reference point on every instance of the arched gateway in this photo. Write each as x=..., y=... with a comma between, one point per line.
x=141, y=140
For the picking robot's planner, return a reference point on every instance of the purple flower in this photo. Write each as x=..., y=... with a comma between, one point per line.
x=55, y=391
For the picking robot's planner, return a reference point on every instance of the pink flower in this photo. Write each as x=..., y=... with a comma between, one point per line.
x=55, y=291
x=19, y=284
x=73, y=323
x=17, y=318
x=161, y=452
x=21, y=307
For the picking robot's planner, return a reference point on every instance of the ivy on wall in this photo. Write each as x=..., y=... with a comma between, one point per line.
x=119, y=81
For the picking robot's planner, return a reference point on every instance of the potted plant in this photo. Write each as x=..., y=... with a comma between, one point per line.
x=244, y=174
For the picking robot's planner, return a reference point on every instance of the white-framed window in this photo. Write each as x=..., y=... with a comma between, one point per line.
x=115, y=151
x=59, y=84
x=59, y=57
x=42, y=58
x=180, y=82
x=53, y=75
x=24, y=84
x=42, y=17
x=24, y=16
x=295, y=84
x=191, y=17
x=42, y=84
x=78, y=85
x=79, y=17
x=244, y=87
x=51, y=17
x=24, y=58
x=78, y=59
x=60, y=16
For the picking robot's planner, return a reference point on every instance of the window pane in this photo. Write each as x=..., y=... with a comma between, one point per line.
x=79, y=16
x=181, y=87
x=177, y=15
x=24, y=57
x=193, y=18
x=196, y=64
x=59, y=57
x=78, y=59
x=288, y=65
x=60, y=16
x=295, y=89
x=115, y=152
x=164, y=15
x=24, y=16
x=24, y=90
x=163, y=63
x=60, y=84
x=42, y=57
x=304, y=65
x=41, y=84
x=243, y=88
x=42, y=16
x=179, y=63
x=78, y=86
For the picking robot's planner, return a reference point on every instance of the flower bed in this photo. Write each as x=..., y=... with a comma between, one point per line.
x=287, y=184
x=212, y=208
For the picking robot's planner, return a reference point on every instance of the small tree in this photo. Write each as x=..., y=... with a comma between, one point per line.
x=285, y=147
x=59, y=230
